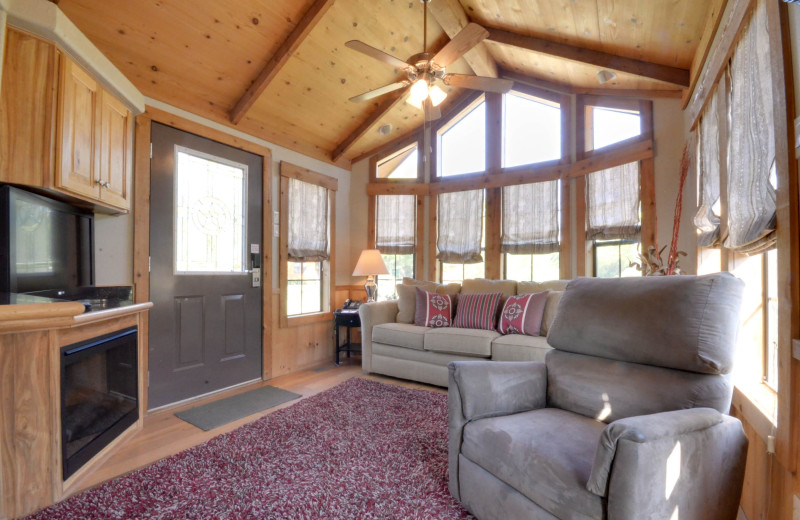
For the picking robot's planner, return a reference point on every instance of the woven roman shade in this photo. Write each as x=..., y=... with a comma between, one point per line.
x=612, y=203
x=708, y=159
x=308, y=222
x=395, y=224
x=530, y=218
x=751, y=152
x=460, y=227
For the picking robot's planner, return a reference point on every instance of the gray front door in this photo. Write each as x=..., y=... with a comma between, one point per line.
x=205, y=221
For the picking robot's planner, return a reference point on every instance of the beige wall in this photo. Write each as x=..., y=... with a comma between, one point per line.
x=669, y=142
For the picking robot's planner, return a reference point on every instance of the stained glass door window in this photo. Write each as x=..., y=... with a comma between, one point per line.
x=210, y=195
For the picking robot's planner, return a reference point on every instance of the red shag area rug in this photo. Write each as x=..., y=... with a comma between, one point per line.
x=361, y=450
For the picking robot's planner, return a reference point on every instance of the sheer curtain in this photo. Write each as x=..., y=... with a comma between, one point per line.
x=612, y=203
x=708, y=170
x=530, y=218
x=308, y=222
x=460, y=227
x=751, y=151
x=394, y=233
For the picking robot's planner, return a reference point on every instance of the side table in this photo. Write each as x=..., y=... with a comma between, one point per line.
x=349, y=319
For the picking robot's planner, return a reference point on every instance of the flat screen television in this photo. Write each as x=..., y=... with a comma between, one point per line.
x=44, y=243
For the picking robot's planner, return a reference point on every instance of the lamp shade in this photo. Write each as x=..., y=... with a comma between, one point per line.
x=370, y=263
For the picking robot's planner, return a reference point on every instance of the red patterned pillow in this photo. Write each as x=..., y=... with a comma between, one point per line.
x=433, y=309
x=522, y=314
x=477, y=311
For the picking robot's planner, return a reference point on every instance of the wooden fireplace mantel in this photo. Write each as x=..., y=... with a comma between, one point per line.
x=31, y=337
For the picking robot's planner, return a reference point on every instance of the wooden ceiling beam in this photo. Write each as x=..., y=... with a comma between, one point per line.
x=452, y=17
x=362, y=129
x=604, y=60
x=279, y=59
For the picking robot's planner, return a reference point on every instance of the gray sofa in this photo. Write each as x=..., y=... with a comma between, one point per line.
x=422, y=354
x=625, y=419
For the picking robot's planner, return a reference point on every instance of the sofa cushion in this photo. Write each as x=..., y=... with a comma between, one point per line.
x=522, y=314
x=434, y=310
x=550, y=308
x=682, y=322
x=400, y=335
x=467, y=342
x=574, y=383
x=484, y=285
x=477, y=310
x=550, y=285
x=518, y=347
x=530, y=452
x=407, y=296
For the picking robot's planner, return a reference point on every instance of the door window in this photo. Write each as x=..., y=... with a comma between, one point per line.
x=210, y=223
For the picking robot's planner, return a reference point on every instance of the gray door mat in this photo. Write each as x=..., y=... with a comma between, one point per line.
x=212, y=415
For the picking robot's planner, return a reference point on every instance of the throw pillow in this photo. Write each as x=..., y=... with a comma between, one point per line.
x=407, y=296
x=477, y=310
x=433, y=310
x=523, y=314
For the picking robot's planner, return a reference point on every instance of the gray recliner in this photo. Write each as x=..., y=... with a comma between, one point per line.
x=625, y=420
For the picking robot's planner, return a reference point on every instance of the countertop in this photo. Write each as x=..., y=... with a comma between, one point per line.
x=23, y=312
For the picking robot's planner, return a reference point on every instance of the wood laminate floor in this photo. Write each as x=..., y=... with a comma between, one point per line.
x=163, y=434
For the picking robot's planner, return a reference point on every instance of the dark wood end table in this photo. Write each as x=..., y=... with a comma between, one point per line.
x=349, y=319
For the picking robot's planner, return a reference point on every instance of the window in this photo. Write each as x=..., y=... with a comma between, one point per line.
x=613, y=212
x=209, y=213
x=530, y=237
x=395, y=237
x=307, y=207
x=304, y=288
x=462, y=142
x=461, y=238
x=401, y=164
x=612, y=125
x=531, y=130
x=612, y=258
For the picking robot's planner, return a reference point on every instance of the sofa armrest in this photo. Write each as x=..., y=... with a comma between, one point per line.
x=651, y=465
x=372, y=314
x=481, y=389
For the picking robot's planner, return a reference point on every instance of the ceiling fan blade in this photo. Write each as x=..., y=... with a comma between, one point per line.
x=498, y=85
x=467, y=38
x=432, y=113
x=378, y=54
x=380, y=91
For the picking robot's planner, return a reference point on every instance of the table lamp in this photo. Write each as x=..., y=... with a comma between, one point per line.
x=370, y=264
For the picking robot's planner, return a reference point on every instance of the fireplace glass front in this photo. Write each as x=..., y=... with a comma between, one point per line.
x=99, y=395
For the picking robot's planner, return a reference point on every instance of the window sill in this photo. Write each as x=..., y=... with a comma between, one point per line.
x=757, y=404
x=306, y=319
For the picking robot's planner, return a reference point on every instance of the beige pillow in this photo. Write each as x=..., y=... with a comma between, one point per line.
x=550, y=308
x=407, y=296
x=483, y=286
x=534, y=287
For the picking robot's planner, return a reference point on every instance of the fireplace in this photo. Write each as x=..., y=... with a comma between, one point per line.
x=99, y=397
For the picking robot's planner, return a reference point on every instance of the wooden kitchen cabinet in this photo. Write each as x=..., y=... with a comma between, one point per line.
x=60, y=130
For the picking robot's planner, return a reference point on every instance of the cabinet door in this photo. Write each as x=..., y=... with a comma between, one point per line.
x=78, y=168
x=114, y=150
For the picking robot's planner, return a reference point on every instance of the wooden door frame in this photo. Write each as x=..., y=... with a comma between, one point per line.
x=141, y=218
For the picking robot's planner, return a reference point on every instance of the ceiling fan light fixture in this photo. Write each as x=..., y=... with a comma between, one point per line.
x=419, y=92
x=437, y=95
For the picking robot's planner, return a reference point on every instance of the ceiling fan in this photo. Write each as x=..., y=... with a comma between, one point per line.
x=423, y=72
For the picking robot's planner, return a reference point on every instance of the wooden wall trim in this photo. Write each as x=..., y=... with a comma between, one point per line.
x=292, y=171
x=715, y=10
x=141, y=201
x=718, y=57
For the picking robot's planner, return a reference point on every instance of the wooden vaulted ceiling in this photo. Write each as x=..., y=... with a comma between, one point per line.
x=279, y=70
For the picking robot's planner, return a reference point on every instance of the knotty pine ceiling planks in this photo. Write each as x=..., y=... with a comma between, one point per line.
x=201, y=55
